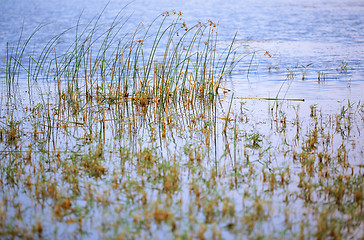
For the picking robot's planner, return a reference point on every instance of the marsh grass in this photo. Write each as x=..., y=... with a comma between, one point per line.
x=124, y=134
x=175, y=61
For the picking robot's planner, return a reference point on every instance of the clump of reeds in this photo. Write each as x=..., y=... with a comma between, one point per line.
x=120, y=139
x=162, y=62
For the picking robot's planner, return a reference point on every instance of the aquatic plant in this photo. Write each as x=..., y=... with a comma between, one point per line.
x=125, y=134
x=110, y=65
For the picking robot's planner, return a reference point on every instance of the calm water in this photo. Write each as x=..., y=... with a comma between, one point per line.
x=302, y=36
x=324, y=34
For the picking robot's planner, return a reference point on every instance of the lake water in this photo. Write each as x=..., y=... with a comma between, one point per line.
x=326, y=35
x=267, y=155
x=278, y=164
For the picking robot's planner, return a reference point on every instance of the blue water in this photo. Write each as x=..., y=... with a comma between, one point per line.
x=322, y=34
x=302, y=36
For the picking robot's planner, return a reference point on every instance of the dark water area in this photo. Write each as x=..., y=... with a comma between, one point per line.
x=303, y=37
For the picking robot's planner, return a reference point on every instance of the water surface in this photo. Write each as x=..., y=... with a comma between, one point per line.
x=281, y=165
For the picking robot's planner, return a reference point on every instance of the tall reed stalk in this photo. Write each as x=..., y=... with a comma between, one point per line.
x=163, y=62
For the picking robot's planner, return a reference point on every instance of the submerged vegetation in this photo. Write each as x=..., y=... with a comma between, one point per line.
x=130, y=134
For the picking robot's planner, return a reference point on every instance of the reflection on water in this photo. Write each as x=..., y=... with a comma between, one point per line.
x=81, y=161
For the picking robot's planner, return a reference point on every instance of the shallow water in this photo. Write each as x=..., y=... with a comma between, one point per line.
x=324, y=34
x=201, y=153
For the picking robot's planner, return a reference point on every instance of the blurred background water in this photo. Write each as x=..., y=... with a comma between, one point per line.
x=303, y=37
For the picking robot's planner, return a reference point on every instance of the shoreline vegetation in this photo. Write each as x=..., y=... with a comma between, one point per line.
x=163, y=60
x=129, y=134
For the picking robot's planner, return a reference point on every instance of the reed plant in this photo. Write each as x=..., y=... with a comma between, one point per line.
x=162, y=62
x=125, y=134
